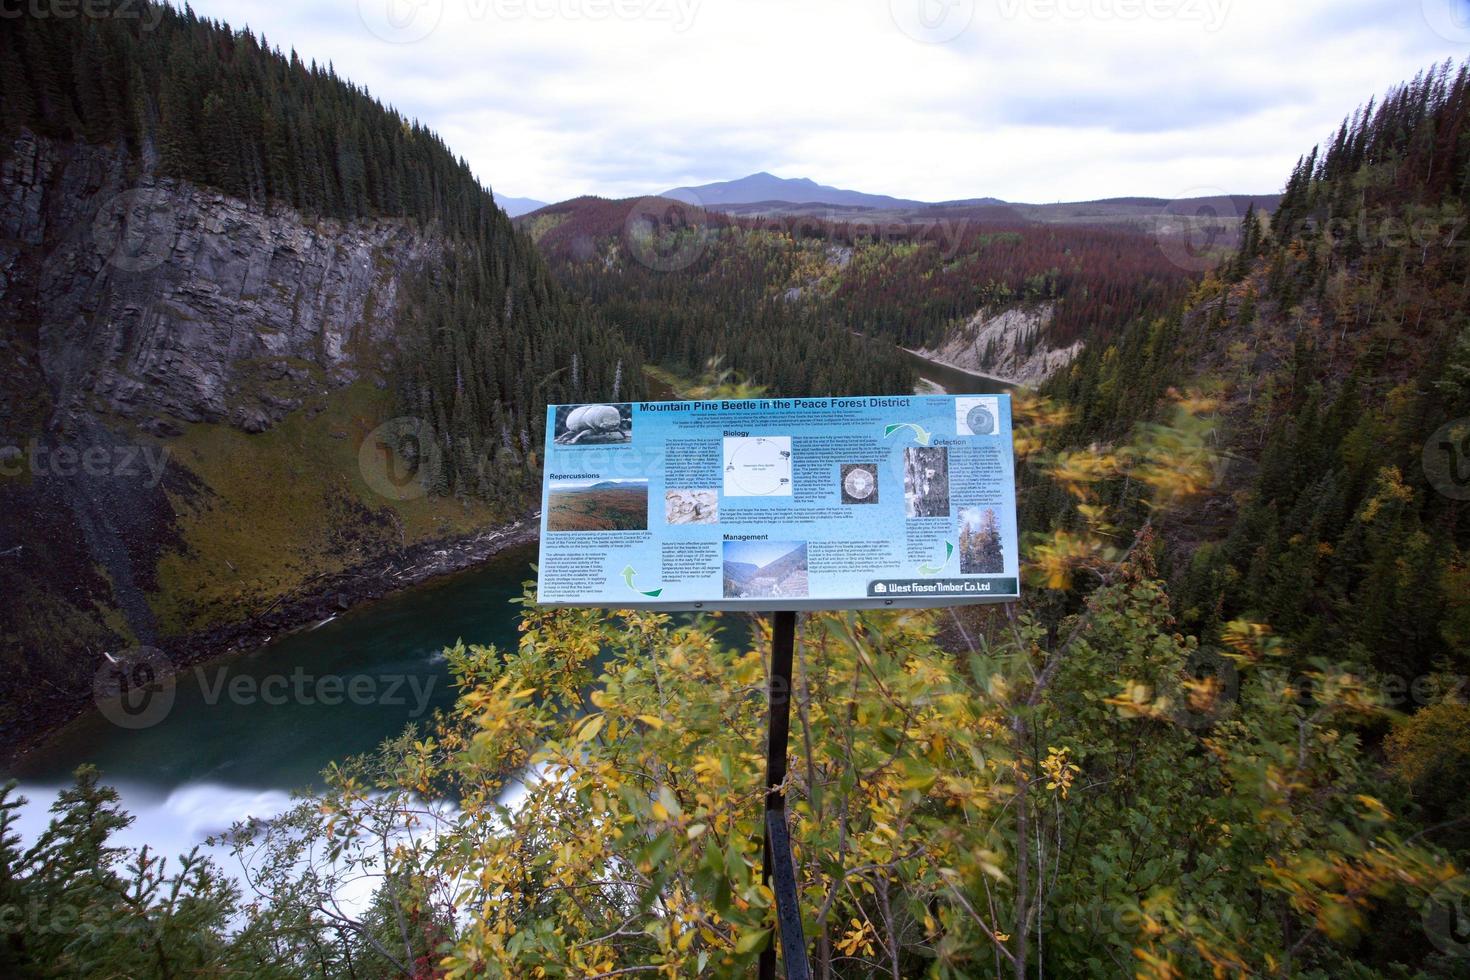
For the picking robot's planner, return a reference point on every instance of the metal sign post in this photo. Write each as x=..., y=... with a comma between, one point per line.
x=776, y=849
x=780, y=505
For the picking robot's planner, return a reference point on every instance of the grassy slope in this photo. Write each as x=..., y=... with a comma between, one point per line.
x=285, y=507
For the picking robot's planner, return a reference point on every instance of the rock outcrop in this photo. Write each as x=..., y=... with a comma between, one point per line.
x=156, y=301
x=1008, y=344
x=130, y=307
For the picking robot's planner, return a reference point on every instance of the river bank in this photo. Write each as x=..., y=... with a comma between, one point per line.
x=318, y=601
x=240, y=734
x=955, y=380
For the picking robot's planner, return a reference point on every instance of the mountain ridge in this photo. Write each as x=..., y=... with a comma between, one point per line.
x=514, y=207
x=763, y=195
x=764, y=186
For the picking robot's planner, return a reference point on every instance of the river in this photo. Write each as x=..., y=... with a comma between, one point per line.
x=953, y=380
x=244, y=731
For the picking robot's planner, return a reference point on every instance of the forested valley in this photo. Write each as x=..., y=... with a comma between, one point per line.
x=814, y=304
x=487, y=339
x=1226, y=734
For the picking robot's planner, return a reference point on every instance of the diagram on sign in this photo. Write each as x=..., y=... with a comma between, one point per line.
x=757, y=466
x=977, y=416
x=629, y=574
x=859, y=483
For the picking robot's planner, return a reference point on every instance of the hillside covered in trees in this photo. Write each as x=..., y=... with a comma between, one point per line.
x=685, y=286
x=778, y=296
x=240, y=264
x=1335, y=344
x=1335, y=349
x=195, y=100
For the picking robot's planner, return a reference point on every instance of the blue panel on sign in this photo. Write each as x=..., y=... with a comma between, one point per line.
x=771, y=503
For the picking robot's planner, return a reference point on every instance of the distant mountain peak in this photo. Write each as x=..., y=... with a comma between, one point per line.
x=765, y=186
x=516, y=206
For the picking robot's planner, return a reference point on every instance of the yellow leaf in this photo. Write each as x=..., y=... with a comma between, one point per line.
x=591, y=728
x=669, y=801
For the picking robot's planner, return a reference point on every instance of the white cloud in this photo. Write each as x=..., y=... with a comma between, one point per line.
x=1029, y=100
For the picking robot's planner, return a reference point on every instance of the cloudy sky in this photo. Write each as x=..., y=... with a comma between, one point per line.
x=1027, y=100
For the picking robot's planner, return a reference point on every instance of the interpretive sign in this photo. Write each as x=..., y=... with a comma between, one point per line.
x=780, y=503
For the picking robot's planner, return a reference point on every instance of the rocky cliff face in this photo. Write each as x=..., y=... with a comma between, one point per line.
x=1006, y=344
x=155, y=301
x=181, y=372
